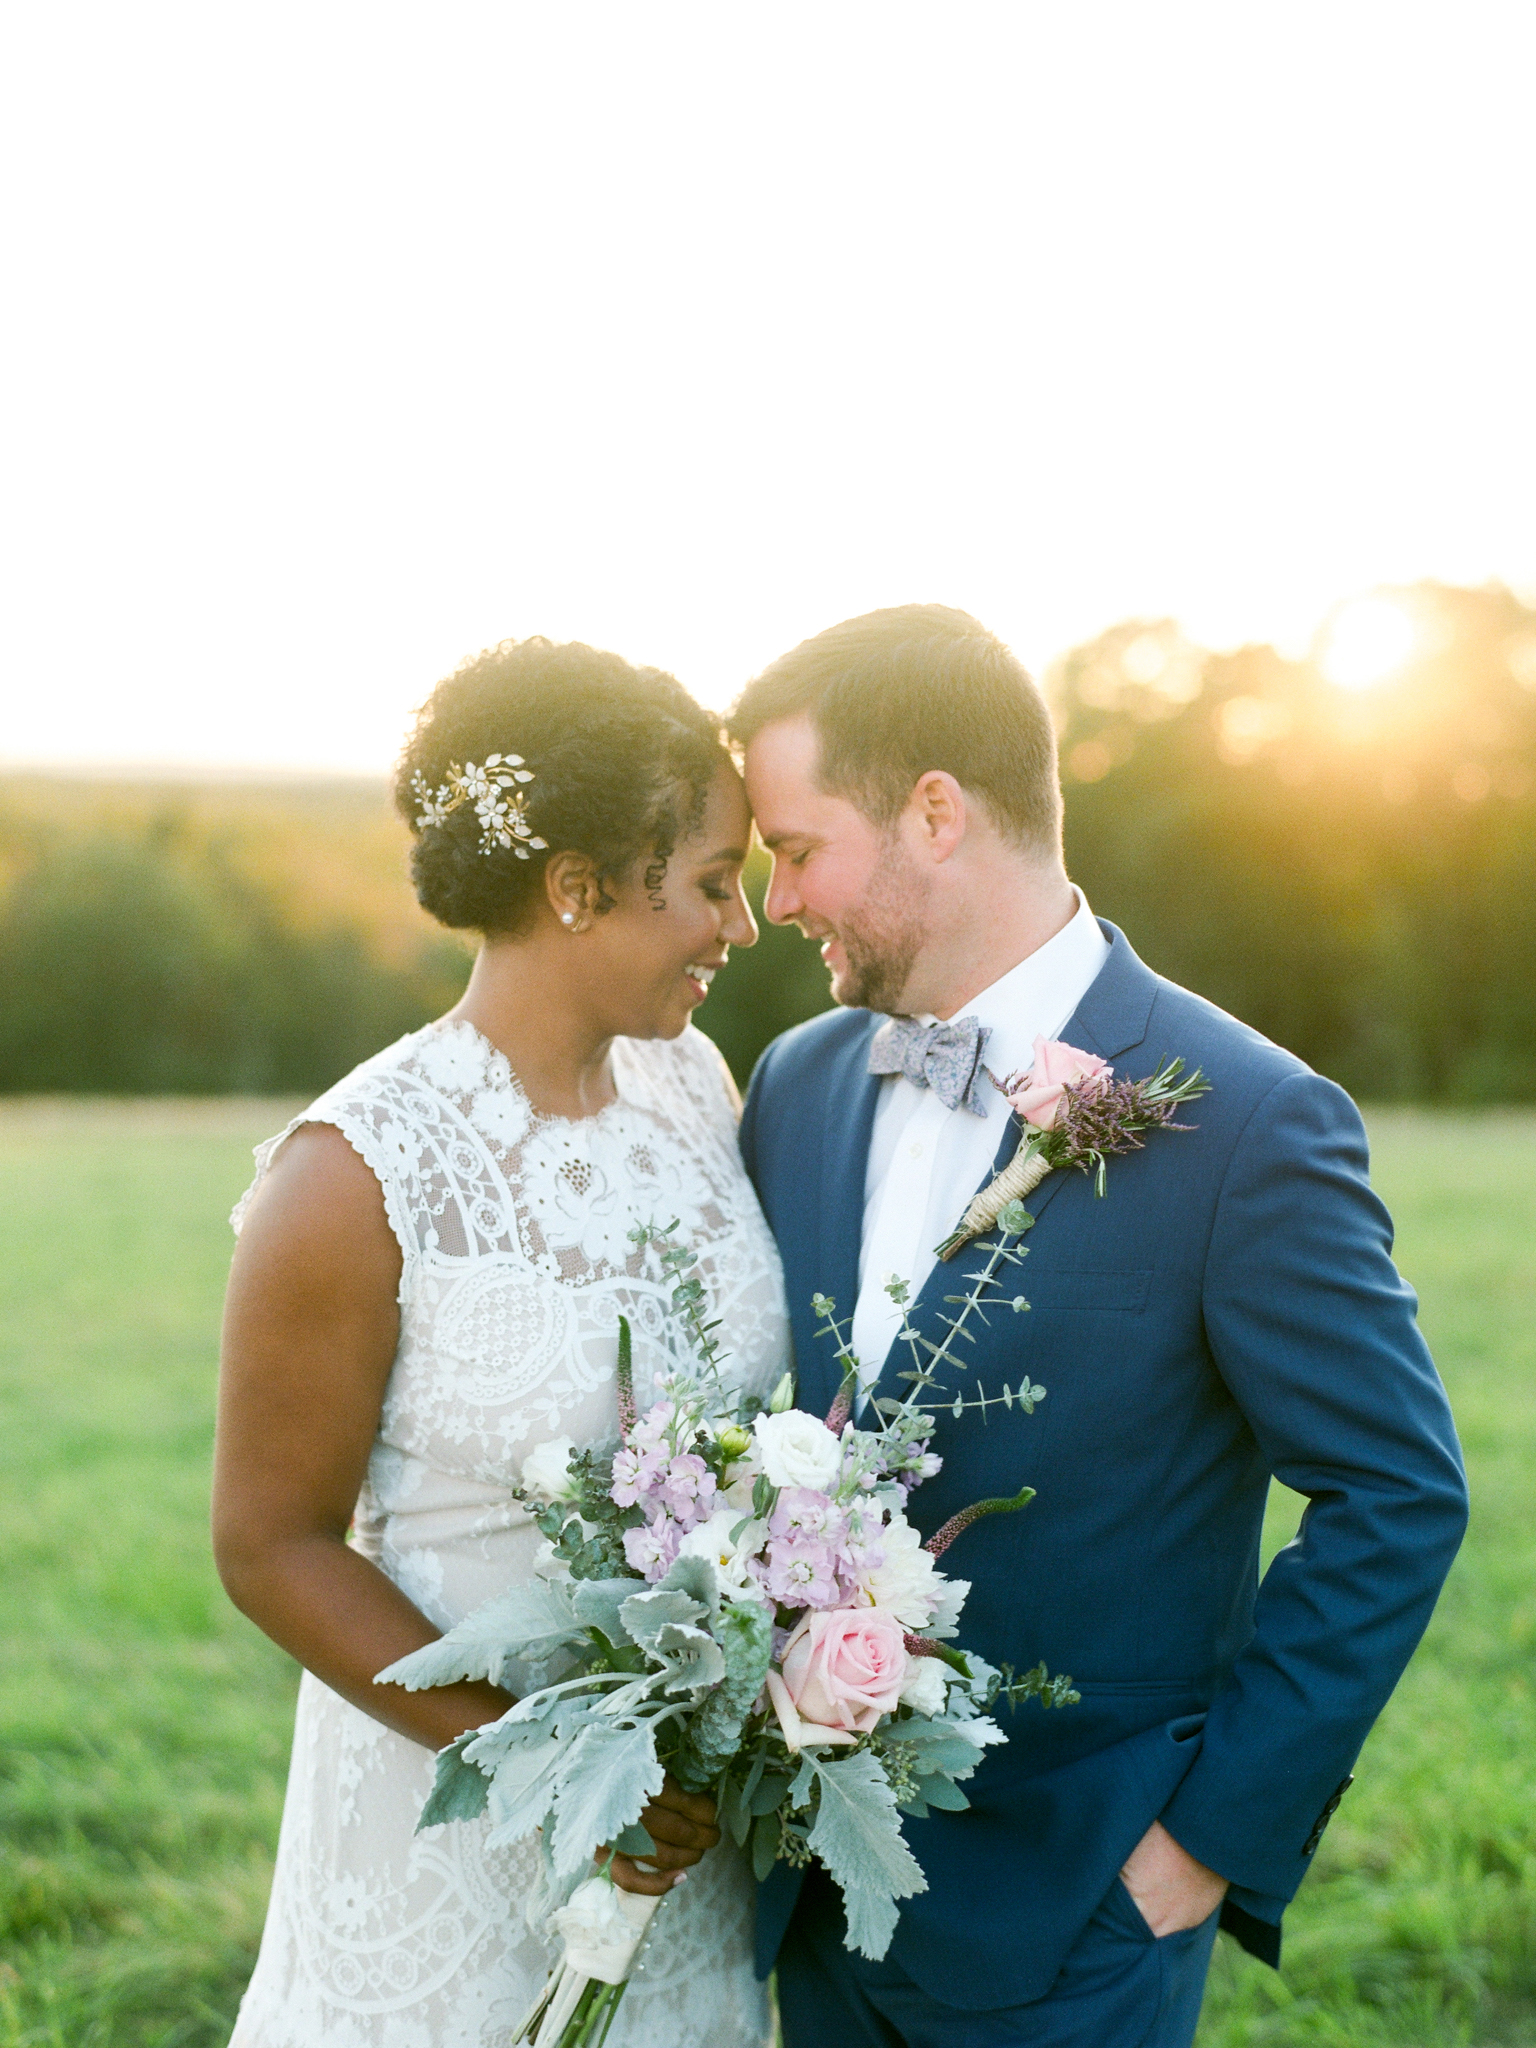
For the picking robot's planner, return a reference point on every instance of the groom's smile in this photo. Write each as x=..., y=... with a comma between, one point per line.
x=845, y=882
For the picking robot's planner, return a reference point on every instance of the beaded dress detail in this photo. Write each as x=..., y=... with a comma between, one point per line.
x=517, y=1265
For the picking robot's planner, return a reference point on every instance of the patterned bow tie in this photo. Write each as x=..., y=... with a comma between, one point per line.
x=943, y=1057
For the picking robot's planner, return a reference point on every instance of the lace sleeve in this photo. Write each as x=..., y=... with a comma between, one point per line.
x=358, y=1124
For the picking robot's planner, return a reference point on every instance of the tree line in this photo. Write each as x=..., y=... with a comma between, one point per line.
x=1349, y=866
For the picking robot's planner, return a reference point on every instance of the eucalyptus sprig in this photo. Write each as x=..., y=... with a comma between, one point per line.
x=1034, y=1685
x=1012, y=1221
x=689, y=1300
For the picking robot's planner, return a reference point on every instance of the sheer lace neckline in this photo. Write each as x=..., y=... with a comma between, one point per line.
x=498, y=1073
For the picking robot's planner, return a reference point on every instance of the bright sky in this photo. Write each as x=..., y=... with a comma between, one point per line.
x=345, y=339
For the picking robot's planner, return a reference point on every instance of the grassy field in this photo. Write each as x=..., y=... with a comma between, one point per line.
x=144, y=1726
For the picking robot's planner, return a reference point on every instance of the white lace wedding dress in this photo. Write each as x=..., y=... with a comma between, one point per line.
x=517, y=1266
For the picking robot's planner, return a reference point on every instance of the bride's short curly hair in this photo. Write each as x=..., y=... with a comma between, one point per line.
x=622, y=762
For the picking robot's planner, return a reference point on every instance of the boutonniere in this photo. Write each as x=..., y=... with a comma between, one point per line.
x=1073, y=1112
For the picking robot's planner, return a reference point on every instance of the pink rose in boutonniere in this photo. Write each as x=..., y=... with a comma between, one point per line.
x=1035, y=1097
x=1073, y=1112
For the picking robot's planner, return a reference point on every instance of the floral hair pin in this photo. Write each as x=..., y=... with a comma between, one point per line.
x=1073, y=1112
x=493, y=789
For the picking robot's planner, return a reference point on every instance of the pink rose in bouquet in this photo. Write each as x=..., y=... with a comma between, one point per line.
x=1036, y=1096
x=843, y=1667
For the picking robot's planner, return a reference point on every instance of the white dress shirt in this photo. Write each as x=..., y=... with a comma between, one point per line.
x=926, y=1161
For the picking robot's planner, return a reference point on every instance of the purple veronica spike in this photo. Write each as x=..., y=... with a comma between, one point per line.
x=941, y=1539
x=841, y=1408
x=625, y=1375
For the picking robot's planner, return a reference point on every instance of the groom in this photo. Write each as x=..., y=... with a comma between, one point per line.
x=1229, y=1310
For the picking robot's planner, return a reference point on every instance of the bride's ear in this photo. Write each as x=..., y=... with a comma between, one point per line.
x=574, y=889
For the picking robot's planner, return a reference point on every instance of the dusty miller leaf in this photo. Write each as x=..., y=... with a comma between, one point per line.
x=461, y=1790
x=805, y=1781
x=692, y=1658
x=523, y=1789
x=529, y=1623
x=644, y=1614
x=947, y=1746
x=857, y=1835
x=871, y=1918
x=598, y=1604
x=522, y=1751
x=694, y=1576
x=603, y=1783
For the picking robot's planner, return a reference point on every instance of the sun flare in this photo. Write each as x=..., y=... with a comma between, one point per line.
x=1366, y=641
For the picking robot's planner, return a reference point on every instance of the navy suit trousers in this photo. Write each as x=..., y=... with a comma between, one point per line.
x=1120, y=1987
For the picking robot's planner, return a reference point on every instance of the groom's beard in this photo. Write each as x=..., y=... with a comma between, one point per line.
x=881, y=940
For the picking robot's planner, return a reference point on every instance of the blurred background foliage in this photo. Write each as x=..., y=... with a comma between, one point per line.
x=1340, y=849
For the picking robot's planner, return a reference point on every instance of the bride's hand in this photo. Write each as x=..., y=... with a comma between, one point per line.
x=682, y=1825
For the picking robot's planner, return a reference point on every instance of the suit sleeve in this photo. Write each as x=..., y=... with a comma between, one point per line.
x=1313, y=1330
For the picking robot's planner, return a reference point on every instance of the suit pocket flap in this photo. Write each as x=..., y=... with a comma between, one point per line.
x=1111, y=1288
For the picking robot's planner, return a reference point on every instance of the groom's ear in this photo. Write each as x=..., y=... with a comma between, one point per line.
x=936, y=814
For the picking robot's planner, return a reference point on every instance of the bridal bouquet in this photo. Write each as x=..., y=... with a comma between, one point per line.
x=732, y=1594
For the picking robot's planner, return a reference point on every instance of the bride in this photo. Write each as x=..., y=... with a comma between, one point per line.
x=430, y=1271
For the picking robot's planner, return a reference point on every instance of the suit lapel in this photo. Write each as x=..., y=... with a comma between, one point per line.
x=1110, y=1020
x=849, y=1118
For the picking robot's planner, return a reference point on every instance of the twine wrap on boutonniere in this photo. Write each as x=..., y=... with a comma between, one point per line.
x=1073, y=1112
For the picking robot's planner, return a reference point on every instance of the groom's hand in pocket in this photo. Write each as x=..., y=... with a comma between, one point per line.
x=1170, y=1889
x=682, y=1825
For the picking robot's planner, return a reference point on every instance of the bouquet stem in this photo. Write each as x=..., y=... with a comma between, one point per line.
x=576, y=2007
x=574, y=2011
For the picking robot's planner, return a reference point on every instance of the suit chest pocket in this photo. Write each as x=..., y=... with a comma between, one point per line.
x=1102, y=1290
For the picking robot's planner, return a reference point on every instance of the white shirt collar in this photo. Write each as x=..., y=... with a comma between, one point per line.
x=1036, y=998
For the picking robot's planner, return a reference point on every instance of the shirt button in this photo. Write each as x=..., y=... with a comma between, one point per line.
x=915, y=1151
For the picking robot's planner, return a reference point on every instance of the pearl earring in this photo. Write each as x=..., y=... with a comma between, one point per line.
x=567, y=917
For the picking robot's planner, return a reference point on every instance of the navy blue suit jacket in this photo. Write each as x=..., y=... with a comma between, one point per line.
x=1228, y=1310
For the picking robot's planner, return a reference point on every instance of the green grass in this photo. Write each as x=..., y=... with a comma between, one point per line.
x=144, y=1726
x=1418, y=1922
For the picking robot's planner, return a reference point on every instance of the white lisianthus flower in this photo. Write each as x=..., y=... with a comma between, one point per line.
x=741, y=1476
x=737, y=1491
x=712, y=1540
x=546, y=1470
x=797, y=1450
x=926, y=1685
x=547, y=1566
x=908, y=1581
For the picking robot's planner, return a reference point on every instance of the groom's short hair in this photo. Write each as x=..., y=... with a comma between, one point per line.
x=896, y=693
